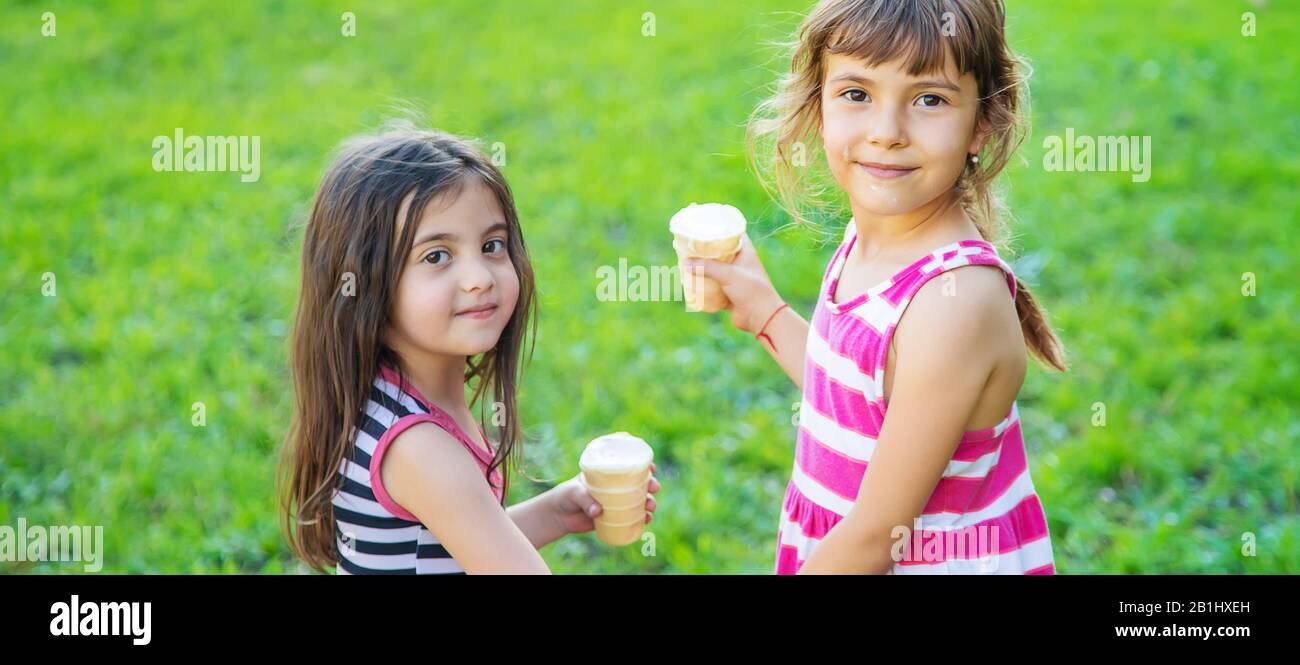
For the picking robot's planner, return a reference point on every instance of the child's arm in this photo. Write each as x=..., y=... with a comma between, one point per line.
x=536, y=518
x=753, y=302
x=429, y=473
x=950, y=348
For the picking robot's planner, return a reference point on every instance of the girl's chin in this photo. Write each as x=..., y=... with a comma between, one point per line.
x=889, y=201
x=469, y=351
x=481, y=341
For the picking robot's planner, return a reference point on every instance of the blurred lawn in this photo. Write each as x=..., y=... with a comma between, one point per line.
x=175, y=288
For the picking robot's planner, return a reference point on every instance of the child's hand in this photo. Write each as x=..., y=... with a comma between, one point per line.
x=745, y=281
x=574, y=507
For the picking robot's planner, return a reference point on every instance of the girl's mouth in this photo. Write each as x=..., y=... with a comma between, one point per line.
x=478, y=312
x=886, y=171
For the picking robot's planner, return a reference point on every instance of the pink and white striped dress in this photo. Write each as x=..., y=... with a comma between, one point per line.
x=983, y=517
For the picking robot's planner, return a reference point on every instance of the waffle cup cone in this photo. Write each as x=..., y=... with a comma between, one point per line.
x=616, y=473
x=622, y=498
x=703, y=294
x=619, y=534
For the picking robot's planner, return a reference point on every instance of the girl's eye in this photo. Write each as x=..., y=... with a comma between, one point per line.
x=494, y=245
x=855, y=95
x=435, y=253
x=931, y=100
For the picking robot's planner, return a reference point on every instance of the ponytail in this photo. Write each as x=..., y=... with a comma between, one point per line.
x=1039, y=336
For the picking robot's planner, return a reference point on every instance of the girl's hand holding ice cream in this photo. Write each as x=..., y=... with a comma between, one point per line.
x=705, y=231
x=746, y=284
x=576, y=509
x=740, y=285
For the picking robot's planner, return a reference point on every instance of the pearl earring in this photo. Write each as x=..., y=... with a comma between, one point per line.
x=974, y=159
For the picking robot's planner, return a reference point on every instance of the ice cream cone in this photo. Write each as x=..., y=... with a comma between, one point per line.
x=616, y=472
x=619, y=534
x=703, y=294
x=708, y=231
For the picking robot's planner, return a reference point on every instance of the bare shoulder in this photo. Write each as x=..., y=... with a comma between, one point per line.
x=431, y=474
x=425, y=442
x=965, y=316
x=425, y=467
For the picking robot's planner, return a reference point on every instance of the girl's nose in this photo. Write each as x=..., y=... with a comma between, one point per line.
x=475, y=276
x=885, y=129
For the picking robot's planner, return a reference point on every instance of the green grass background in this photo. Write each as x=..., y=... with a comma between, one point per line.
x=175, y=288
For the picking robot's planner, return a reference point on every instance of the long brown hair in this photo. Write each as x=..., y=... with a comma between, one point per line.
x=354, y=239
x=923, y=33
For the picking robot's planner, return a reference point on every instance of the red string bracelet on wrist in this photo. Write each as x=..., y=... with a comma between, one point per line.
x=763, y=335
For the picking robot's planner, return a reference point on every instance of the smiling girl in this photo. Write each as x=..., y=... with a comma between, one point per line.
x=415, y=284
x=910, y=366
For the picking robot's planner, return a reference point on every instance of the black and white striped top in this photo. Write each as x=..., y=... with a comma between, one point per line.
x=375, y=535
